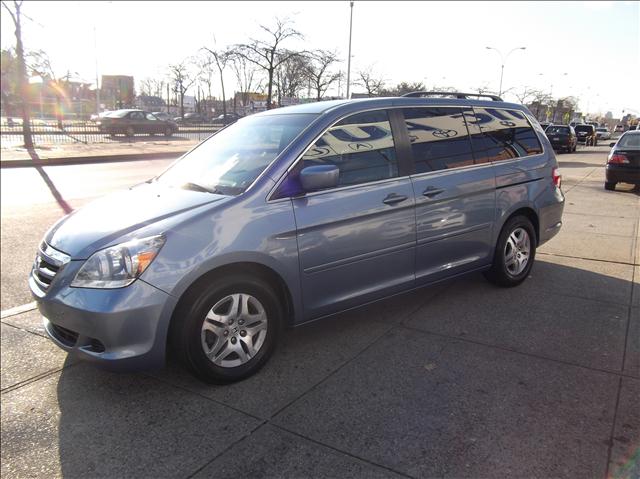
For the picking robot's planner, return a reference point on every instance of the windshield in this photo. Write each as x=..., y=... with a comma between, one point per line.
x=228, y=162
x=629, y=141
x=558, y=130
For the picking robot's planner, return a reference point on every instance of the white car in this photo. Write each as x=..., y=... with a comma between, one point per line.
x=603, y=134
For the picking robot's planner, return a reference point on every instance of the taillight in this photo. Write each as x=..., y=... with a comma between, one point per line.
x=618, y=159
x=557, y=177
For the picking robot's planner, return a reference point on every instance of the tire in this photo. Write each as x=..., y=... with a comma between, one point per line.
x=228, y=344
x=610, y=186
x=130, y=132
x=509, y=274
x=168, y=131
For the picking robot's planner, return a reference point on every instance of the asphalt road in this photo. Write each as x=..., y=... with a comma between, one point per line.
x=460, y=380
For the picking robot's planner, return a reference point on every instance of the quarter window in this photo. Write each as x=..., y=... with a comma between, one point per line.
x=361, y=146
x=506, y=134
x=439, y=138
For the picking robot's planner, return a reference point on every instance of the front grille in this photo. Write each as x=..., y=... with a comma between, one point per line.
x=47, y=264
x=64, y=335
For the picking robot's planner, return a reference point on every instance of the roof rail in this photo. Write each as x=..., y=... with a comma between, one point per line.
x=456, y=94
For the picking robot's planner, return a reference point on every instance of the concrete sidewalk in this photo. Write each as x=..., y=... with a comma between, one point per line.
x=126, y=150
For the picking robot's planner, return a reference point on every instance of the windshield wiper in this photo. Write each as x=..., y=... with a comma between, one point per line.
x=197, y=187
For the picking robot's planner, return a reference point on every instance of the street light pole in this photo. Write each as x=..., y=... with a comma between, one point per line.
x=503, y=60
x=349, y=58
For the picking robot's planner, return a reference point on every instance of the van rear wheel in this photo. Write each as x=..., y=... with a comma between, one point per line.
x=226, y=330
x=514, y=254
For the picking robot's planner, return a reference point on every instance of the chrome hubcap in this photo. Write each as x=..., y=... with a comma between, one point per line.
x=517, y=251
x=234, y=330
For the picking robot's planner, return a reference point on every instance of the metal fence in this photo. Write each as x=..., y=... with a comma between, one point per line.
x=47, y=132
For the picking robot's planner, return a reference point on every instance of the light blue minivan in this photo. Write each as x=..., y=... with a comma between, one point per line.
x=296, y=214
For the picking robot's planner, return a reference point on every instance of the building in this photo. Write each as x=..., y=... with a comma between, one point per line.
x=117, y=91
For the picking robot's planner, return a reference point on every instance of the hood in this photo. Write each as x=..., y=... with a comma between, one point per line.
x=103, y=221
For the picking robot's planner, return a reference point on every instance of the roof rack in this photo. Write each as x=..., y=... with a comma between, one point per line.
x=456, y=94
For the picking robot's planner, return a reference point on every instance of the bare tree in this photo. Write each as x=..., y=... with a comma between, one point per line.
x=22, y=73
x=318, y=71
x=269, y=55
x=370, y=81
x=526, y=94
x=245, y=72
x=220, y=59
x=403, y=88
x=291, y=76
x=182, y=81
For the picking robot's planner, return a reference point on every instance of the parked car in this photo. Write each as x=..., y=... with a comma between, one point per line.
x=132, y=122
x=545, y=125
x=619, y=128
x=292, y=215
x=191, y=118
x=226, y=119
x=162, y=115
x=623, y=162
x=98, y=116
x=586, y=134
x=562, y=137
x=602, y=133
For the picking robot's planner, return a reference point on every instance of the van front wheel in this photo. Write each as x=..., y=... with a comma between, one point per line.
x=226, y=330
x=514, y=254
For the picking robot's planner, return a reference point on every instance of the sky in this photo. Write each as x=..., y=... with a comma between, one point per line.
x=590, y=50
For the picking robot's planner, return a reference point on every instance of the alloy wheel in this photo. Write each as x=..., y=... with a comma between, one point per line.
x=234, y=330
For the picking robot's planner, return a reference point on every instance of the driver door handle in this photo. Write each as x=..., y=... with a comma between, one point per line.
x=432, y=191
x=393, y=198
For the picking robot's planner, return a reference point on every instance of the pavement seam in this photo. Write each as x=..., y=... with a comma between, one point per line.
x=357, y=355
x=34, y=379
x=588, y=259
x=630, y=312
x=226, y=449
x=25, y=330
x=613, y=428
x=522, y=353
x=16, y=310
x=333, y=448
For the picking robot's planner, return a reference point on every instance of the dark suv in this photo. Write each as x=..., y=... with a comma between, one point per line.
x=562, y=137
x=587, y=134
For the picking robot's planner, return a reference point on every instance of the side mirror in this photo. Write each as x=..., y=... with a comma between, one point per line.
x=319, y=177
x=611, y=145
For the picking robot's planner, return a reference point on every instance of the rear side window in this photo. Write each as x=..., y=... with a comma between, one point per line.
x=439, y=138
x=505, y=134
x=361, y=146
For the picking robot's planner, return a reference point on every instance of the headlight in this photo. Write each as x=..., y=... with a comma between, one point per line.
x=118, y=266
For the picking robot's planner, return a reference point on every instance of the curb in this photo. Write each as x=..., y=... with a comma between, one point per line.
x=82, y=160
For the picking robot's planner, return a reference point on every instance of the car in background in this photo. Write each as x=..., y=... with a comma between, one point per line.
x=586, y=134
x=98, y=116
x=226, y=119
x=191, y=118
x=545, y=125
x=602, y=133
x=162, y=115
x=619, y=128
x=132, y=122
x=562, y=137
x=623, y=162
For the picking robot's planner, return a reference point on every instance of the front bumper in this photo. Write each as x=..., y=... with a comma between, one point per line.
x=121, y=329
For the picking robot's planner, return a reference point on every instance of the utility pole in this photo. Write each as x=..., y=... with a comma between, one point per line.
x=349, y=58
x=95, y=48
